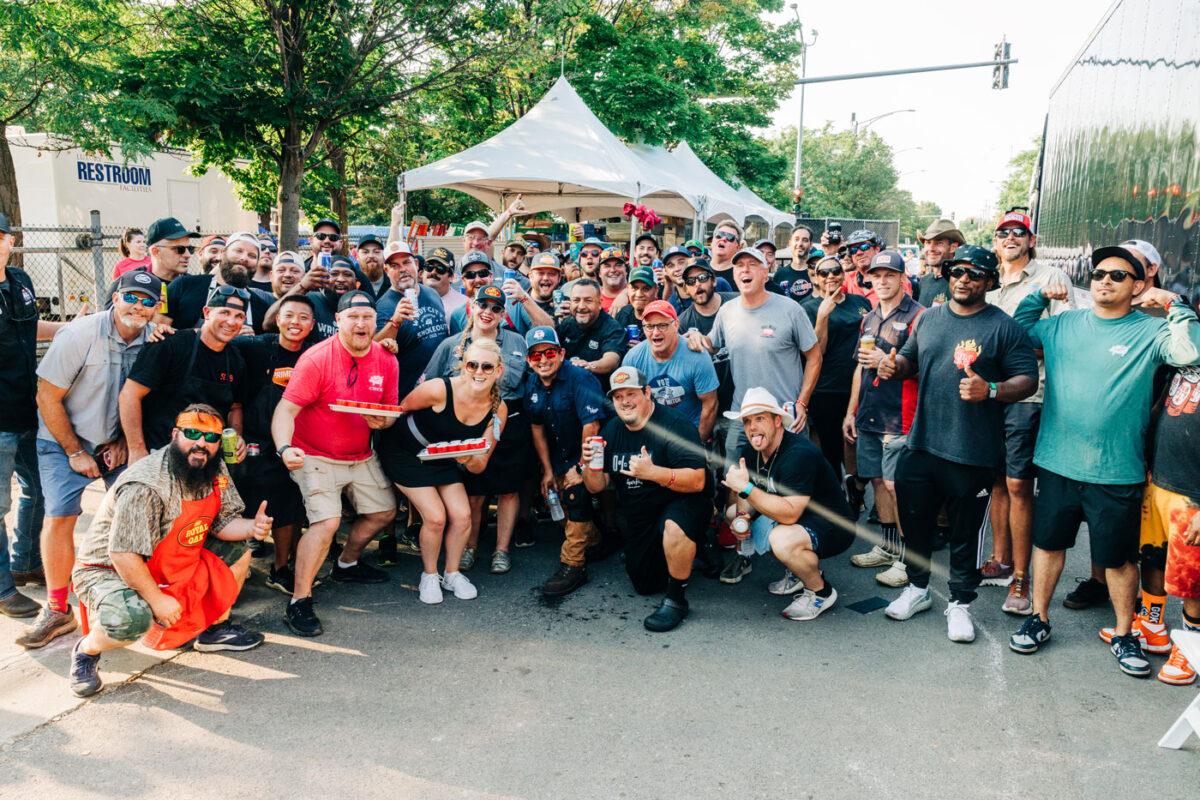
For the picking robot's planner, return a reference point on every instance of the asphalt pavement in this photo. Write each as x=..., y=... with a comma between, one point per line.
x=513, y=695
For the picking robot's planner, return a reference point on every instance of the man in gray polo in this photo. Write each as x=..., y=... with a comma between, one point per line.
x=79, y=435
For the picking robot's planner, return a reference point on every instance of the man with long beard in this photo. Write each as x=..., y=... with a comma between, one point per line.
x=164, y=559
x=239, y=261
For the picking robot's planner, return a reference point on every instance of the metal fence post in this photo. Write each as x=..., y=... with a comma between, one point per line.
x=98, y=260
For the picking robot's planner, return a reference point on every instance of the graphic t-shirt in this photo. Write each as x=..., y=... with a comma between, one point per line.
x=888, y=406
x=943, y=345
x=841, y=343
x=431, y=317
x=679, y=381
x=765, y=345
x=934, y=289
x=1177, y=439
x=795, y=283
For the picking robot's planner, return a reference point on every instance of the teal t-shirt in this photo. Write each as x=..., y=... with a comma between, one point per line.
x=1099, y=386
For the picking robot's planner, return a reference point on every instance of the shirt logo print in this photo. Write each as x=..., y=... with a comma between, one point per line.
x=1119, y=349
x=965, y=353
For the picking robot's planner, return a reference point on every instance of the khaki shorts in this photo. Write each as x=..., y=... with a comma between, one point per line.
x=321, y=481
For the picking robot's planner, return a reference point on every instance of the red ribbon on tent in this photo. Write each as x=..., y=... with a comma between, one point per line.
x=646, y=216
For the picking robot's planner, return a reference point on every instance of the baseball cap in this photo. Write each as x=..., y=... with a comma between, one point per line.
x=138, y=281
x=542, y=334
x=758, y=400
x=815, y=255
x=490, y=294
x=977, y=256
x=370, y=238
x=215, y=238
x=643, y=274
x=647, y=236
x=288, y=255
x=475, y=225
x=690, y=243
x=1123, y=253
x=887, y=259
x=441, y=255
x=861, y=235
x=333, y=223
x=699, y=262
x=161, y=230
x=546, y=260
x=942, y=229
x=476, y=257
x=750, y=251
x=243, y=236
x=676, y=250
x=759, y=245
x=611, y=252
x=518, y=243
x=1015, y=218
x=596, y=240
x=231, y=296
x=341, y=261
x=396, y=248
x=355, y=298
x=4, y=224
x=626, y=378
x=1148, y=251
x=660, y=307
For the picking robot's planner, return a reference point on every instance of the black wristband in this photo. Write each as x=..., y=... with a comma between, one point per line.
x=279, y=452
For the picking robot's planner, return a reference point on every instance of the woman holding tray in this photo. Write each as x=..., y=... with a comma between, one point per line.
x=467, y=406
x=507, y=471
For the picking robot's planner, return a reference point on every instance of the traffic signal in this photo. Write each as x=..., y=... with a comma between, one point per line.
x=797, y=194
x=1000, y=71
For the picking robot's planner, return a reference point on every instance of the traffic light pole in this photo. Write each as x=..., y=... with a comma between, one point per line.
x=910, y=71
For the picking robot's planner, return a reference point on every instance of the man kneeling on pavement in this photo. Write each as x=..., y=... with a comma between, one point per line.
x=164, y=558
x=792, y=500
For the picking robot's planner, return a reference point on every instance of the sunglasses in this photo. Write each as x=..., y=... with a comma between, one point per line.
x=147, y=302
x=825, y=273
x=487, y=368
x=193, y=434
x=495, y=309
x=860, y=248
x=537, y=355
x=438, y=268
x=226, y=290
x=589, y=253
x=1117, y=275
x=973, y=274
x=726, y=236
x=475, y=274
x=180, y=249
x=693, y=280
x=327, y=237
x=1018, y=232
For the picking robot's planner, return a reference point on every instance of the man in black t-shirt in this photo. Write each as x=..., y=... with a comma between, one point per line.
x=791, y=499
x=654, y=460
x=591, y=338
x=972, y=358
x=186, y=295
x=189, y=366
x=794, y=279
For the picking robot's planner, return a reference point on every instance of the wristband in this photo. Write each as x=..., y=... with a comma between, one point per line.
x=279, y=452
x=76, y=453
x=991, y=391
x=745, y=493
x=671, y=480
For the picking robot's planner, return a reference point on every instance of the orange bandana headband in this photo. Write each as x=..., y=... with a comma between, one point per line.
x=201, y=422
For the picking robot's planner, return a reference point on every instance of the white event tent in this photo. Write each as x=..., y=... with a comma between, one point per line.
x=561, y=158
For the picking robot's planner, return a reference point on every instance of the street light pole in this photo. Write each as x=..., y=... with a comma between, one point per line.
x=863, y=125
x=800, y=124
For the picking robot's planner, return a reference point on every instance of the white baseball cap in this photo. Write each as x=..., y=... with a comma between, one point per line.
x=1145, y=248
x=398, y=247
x=476, y=225
x=758, y=400
x=755, y=253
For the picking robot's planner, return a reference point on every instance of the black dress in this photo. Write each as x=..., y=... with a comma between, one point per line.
x=399, y=445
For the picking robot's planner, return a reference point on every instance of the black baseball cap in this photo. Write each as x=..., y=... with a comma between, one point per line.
x=355, y=298
x=332, y=222
x=168, y=228
x=1116, y=251
x=441, y=255
x=4, y=224
x=370, y=238
x=698, y=263
x=139, y=281
x=646, y=235
x=976, y=256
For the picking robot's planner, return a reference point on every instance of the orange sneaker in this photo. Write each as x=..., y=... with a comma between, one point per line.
x=1155, y=637
x=1177, y=671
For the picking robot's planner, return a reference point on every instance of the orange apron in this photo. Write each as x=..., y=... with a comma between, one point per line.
x=195, y=576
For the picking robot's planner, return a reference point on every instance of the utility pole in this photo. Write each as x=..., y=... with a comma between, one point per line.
x=798, y=190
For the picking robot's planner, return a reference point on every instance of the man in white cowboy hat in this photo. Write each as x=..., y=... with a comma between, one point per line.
x=792, y=500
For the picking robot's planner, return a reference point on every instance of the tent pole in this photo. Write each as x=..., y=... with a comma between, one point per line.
x=633, y=221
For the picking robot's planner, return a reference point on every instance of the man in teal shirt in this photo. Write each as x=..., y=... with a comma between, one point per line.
x=1100, y=366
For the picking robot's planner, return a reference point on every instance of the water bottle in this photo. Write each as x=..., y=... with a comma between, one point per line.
x=741, y=524
x=556, y=509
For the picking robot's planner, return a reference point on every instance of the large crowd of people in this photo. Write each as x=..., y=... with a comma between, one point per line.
x=693, y=407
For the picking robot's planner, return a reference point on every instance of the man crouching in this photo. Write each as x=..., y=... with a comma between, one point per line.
x=164, y=558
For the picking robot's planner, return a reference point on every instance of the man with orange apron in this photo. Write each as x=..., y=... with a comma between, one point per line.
x=164, y=558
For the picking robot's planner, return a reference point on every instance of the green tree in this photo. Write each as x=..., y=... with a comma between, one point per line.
x=59, y=61
x=914, y=224
x=1015, y=189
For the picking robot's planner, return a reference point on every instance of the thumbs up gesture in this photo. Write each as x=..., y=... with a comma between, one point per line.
x=973, y=388
x=640, y=465
x=737, y=476
x=262, y=522
x=887, y=366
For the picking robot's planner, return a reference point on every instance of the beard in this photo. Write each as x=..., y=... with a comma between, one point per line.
x=134, y=322
x=194, y=479
x=234, y=274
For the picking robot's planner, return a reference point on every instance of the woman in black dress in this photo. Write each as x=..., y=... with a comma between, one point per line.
x=467, y=406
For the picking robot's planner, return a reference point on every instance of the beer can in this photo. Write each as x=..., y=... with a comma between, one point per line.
x=867, y=343
x=510, y=274
x=107, y=458
x=325, y=260
x=229, y=439
x=596, y=462
x=412, y=295
x=633, y=334
x=789, y=408
x=253, y=450
x=559, y=295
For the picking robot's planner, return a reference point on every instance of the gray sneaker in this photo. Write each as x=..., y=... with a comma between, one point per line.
x=48, y=626
x=737, y=568
x=468, y=559
x=501, y=562
x=788, y=584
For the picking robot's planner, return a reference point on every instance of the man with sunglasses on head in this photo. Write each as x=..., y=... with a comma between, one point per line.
x=190, y=366
x=972, y=359
x=165, y=557
x=614, y=277
x=187, y=294
x=1011, y=511
x=1090, y=453
x=79, y=437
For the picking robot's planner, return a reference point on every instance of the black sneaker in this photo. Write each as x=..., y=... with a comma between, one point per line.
x=1033, y=634
x=301, y=618
x=1088, y=593
x=566, y=580
x=523, y=535
x=1130, y=658
x=259, y=549
x=941, y=538
x=854, y=495
x=386, y=556
x=227, y=637
x=359, y=573
x=85, y=672
x=282, y=579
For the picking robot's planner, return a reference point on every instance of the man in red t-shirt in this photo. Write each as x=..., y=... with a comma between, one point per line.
x=330, y=451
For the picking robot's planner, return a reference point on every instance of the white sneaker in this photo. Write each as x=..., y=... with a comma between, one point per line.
x=911, y=601
x=958, y=623
x=875, y=557
x=808, y=605
x=459, y=584
x=788, y=584
x=895, y=576
x=431, y=588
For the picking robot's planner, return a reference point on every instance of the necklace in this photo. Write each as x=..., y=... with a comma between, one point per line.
x=770, y=465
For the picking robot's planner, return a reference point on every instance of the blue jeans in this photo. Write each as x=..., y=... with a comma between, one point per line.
x=18, y=453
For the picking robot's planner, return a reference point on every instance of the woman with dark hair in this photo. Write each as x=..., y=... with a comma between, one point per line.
x=134, y=250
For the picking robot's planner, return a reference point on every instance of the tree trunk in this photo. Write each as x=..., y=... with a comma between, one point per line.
x=291, y=175
x=338, y=207
x=264, y=219
x=10, y=199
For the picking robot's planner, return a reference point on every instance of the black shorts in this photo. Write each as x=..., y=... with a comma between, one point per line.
x=1020, y=435
x=645, y=560
x=508, y=468
x=1112, y=512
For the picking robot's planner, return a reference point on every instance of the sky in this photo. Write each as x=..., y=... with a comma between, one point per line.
x=966, y=131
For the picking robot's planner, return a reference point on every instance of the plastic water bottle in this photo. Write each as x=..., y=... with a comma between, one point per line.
x=745, y=546
x=556, y=509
